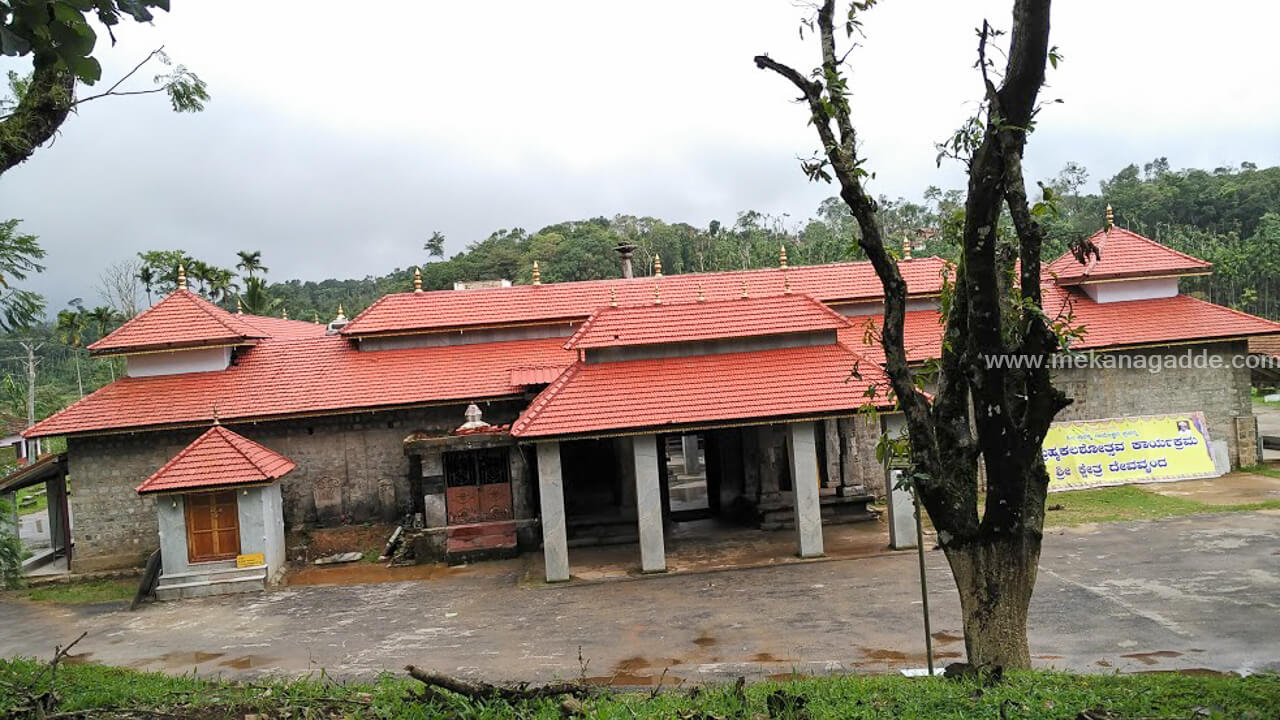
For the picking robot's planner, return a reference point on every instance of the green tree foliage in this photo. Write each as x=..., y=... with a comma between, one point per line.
x=257, y=299
x=60, y=39
x=250, y=262
x=10, y=548
x=19, y=256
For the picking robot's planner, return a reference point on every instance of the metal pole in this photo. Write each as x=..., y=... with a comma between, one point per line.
x=924, y=583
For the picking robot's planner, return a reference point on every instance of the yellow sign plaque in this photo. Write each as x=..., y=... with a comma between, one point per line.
x=1120, y=451
x=251, y=560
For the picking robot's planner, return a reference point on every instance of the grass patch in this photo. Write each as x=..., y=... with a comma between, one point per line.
x=82, y=593
x=1128, y=502
x=1263, y=470
x=106, y=692
x=41, y=501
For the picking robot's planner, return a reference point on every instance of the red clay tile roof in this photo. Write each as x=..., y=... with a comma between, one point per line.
x=184, y=319
x=690, y=322
x=426, y=311
x=921, y=330
x=218, y=458
x=1124, y=254
x=1153, y=321
x=545, y=375
x=1269, y=345
x=700, y=390
x=291, y=377
x=181, y=319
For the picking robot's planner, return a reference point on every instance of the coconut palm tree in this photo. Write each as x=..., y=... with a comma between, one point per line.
x=251, y=262
x=70, y=326
x=147, y=277
x=103, y=317
x=256, y=300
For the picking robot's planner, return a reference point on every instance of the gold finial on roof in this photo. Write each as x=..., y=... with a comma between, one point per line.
x=216, y=421
x=782, y=256
x=340, y=313
x=239, y=307
x=744, y=290
x=537, y=273
x=657, y=297
x=701, y=297
x=613, y=298
x=315, y=317
x=906, y=246
x=284, y=313
x=417, y=280
x=182, y=277
x=657, y=266
x=1111, y=217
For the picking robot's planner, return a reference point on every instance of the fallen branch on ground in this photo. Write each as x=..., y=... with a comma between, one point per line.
x=479, y=690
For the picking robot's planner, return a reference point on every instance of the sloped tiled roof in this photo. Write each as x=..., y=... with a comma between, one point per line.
x=1152, y=321
x=921, y=330
x=183, y=319
x=444, y=309
x=218, y=458
x=1124, y=254
x=655, y=324
x=291, y=377
x=701, y=389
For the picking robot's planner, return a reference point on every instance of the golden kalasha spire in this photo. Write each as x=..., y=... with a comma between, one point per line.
x=216, y=421
x=182, y=277
x=537, y=273
x=613, y=298
x=657, y=297
x=1111, y=217
x=315, y=317
x=786, y=284
x=701, y=297
x=744, y=289
x=782, y=256
x=417, y=280
x=906, y=246
x=657, y=266
x=340, y=313
x=285, y=313
x=239, y=307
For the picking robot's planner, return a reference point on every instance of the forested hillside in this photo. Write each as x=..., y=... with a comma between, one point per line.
x=1229, y=216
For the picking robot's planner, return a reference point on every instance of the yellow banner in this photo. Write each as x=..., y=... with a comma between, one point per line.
x=251, y=560
x=1119, y=451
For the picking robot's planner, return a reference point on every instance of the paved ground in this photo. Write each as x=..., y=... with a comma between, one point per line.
x=1190, y=592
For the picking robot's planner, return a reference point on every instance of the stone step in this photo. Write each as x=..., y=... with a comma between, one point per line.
x=227, y=585
x=214, y=574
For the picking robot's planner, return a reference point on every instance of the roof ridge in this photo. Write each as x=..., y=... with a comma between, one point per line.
x=227, y=437
x=531, y=413
x=201, y=303
x=173, y=460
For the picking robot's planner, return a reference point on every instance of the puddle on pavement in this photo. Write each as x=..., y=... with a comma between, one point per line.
x=887, y=655
x=1048, y=657
x=704, y=641
x=766, y=657
x=1152, y=658
x=359, y=573
x=246, y=662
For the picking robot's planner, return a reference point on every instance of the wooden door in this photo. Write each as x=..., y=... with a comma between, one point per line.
x=213, y=526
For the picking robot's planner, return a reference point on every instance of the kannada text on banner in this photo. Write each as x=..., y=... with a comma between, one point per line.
x=1117, y=451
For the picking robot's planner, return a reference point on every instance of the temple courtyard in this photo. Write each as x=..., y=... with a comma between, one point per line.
x=1193, y=592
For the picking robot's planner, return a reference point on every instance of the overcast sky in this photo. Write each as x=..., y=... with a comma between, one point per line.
x=341, y=134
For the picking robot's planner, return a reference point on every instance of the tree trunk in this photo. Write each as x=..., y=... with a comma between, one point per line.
x=39, y=114
x=995, y=578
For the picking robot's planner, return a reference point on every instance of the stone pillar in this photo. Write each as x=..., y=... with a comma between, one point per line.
x=555, y=543
x=689, y=449
x=653, y=556
x=803, y=454
x=902, y=514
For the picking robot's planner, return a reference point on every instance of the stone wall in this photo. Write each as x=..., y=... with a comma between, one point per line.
x=1222, y=394
x=351, y=468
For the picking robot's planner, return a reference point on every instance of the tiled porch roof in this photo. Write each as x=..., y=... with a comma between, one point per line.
x=218, y=458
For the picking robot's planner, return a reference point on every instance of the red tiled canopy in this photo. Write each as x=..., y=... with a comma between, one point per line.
x=218, y=458
x=1124, y=254
x=703, y=390
x=571, y=301
x=182, y=319
x=655, y=324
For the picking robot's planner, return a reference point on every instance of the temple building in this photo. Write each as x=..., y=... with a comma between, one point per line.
x=506, y=418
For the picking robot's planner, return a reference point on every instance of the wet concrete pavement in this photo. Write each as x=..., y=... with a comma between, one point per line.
x=1190, y=592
